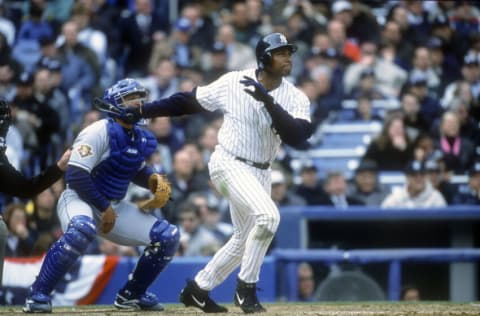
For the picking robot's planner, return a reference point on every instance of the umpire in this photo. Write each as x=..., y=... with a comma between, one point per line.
x=14, y=183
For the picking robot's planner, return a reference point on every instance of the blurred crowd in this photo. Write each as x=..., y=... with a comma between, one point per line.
x=56, y=55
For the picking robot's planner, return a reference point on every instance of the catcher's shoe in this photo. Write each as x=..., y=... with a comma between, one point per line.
x=147, y=302
x=192, y=295
x=37, y=303
x=246, y=298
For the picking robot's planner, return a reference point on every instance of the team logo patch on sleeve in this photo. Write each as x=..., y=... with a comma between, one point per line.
x=85, y=150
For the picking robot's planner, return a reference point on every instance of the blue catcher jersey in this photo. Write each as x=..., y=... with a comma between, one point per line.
x=112, y=155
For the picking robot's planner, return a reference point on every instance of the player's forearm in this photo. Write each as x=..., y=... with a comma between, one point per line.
x=81, y=182
x=141, y=178
x=178, y=104
x=23, y=187
x=292, y=131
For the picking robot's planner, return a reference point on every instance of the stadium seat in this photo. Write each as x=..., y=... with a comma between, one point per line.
x=347, y=135
x=335, y=159
x=345, y=140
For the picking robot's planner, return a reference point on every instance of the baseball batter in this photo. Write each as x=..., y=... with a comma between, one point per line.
x=106, y=157
x=261, y=109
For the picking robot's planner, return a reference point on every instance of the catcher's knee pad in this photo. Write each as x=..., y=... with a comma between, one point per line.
x=80, y=232
x=165, y=236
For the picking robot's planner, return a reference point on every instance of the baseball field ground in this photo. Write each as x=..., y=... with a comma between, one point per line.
x=287, y=309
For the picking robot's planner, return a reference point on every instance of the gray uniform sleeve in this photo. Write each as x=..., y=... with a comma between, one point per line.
x=91, y=146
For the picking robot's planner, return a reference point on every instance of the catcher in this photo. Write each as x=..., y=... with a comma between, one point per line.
x=106, y=157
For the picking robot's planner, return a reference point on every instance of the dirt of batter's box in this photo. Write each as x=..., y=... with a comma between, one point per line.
x=286, y=309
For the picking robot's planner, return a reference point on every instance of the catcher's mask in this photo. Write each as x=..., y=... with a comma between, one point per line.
x=123, y=93
x=269, y=43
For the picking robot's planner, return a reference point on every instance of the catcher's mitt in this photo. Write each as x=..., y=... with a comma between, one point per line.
x=160, y=187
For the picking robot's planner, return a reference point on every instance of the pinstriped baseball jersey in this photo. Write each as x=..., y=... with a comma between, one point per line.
x=246, y=130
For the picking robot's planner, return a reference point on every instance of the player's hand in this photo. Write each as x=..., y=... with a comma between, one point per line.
x=259, y=92
x=108, y=220
x=62, y=163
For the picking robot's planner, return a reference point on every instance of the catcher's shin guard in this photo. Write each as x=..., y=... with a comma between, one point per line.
x=64, y=252
x=164, y=243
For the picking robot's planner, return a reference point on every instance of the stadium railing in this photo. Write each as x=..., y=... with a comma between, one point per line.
x=394, y=258
x=459, y=223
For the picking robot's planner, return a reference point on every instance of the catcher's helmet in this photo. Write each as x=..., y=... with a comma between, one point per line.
x=267, y=44
x=115, y=95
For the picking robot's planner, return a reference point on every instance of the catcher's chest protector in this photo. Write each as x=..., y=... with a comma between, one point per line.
x=128, y=150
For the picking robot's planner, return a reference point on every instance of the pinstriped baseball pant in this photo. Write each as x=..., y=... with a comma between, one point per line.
x=255, y=219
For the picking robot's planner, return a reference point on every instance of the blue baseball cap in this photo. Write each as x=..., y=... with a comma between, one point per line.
x=25, y=79
x=432, y=165
x=218, y=47
x=183, y=24
x=418, y=79
x=475, y=168
x=470, y=59
x=415, y=167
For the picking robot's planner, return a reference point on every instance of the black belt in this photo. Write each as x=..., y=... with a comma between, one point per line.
x=259, y=165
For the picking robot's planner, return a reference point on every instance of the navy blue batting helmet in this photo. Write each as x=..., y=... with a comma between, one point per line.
x=269, y=43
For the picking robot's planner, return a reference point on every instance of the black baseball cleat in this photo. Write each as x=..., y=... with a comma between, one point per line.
x=246, y=298
x=192, y=295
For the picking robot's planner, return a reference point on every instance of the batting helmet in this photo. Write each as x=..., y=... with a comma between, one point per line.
x=115, y=95
x=269, y=43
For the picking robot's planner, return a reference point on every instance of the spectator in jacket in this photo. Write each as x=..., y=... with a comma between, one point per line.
x=72, y=47
x=183, y=181
x=414, y=122
x=20, y=239
x=430, y=108
x=470, y=194
x=422, y=65
x=365, y=186
x=38, y=116
x=281, y=194
x=336, y=192
x=140, y=30
x=338, y=36
x=439, y=179
x=389, y=77
x=417, y=192
x=196, y=239
x=239, y=55
x=367, y=86
x=458, y=152
x=364, y=111
x=392, y=149
x=212, y=221
x=306, y=282
x=309, y=187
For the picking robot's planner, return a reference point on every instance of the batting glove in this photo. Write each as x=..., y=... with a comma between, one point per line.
x=259, y=93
